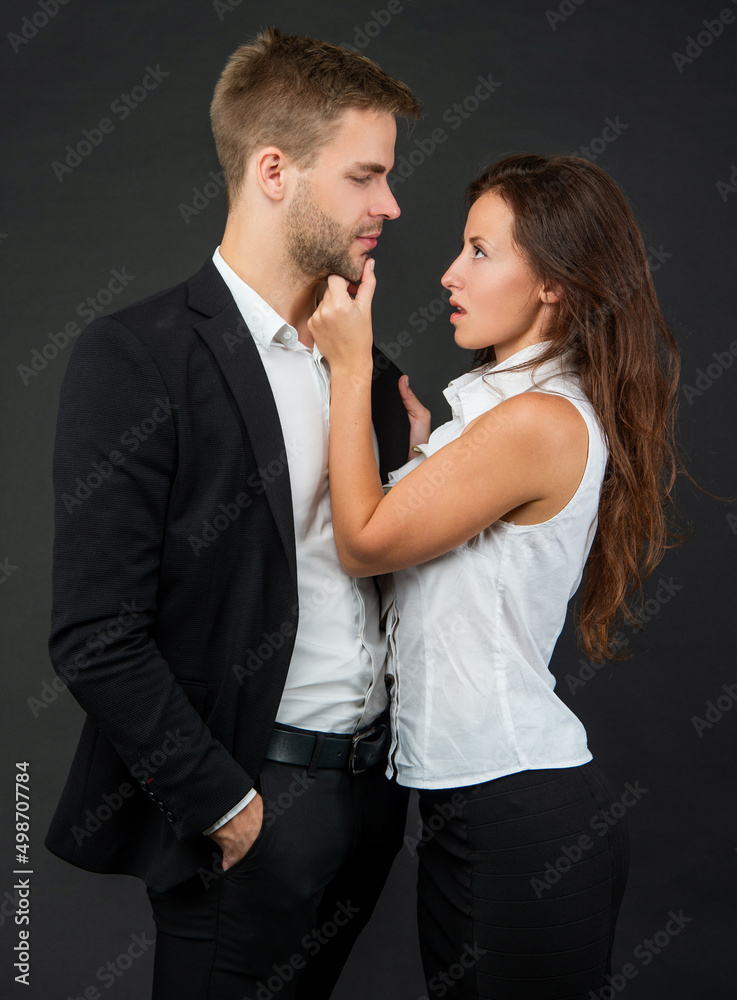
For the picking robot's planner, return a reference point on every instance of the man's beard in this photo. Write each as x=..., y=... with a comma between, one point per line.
x=315, y=242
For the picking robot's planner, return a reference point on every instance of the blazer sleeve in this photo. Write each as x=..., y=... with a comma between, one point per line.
x=111, y=489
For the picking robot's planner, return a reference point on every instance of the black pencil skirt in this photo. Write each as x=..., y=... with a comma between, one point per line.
x=519, y=886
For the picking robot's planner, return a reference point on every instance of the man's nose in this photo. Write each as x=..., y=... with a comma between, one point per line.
x=388, y=206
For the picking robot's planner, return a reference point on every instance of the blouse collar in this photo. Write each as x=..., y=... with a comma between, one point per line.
x=476, y=391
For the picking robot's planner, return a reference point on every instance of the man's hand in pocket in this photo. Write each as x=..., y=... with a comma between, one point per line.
x=236, y=837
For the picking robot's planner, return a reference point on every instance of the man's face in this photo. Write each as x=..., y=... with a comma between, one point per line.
x=343, y=200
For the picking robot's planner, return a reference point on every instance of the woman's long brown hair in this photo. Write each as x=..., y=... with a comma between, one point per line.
x=578, y=233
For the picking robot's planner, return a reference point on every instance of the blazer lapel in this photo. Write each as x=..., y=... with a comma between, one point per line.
x=233, y=347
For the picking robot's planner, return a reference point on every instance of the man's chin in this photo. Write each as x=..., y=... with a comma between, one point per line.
x=348, y=268
x=356, y=272
x=352, y=276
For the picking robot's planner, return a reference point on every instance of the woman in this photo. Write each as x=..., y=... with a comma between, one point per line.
x=559, y=458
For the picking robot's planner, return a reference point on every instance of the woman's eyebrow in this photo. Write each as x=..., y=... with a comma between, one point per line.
x=482, y=239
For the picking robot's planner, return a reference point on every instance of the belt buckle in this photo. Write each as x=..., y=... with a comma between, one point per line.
x=355, y=740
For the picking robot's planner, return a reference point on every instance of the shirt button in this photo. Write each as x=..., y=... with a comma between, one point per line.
x=287, y=334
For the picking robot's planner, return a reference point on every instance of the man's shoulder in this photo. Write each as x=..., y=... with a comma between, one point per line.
x=159, y=327
x=164, y=321
x=159, y=310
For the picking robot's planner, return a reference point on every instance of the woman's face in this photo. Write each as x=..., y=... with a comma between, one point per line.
x=498, y=299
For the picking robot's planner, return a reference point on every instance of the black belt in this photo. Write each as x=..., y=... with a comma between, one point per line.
x=306, y=748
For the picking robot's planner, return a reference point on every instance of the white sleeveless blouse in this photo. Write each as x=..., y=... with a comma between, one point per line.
x=471, y=632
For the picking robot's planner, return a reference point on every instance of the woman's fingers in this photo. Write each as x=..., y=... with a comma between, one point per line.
x=420, y=418
x=337, y=288
x=341, y=324
x=412, y=404
x=366, y=289
x=337, y=298
x=340, y=291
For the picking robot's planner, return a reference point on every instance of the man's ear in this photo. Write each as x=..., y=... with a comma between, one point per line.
x=270, y=169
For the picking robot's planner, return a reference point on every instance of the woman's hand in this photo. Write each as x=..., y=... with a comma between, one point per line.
x=420, y=418
x=341, y=325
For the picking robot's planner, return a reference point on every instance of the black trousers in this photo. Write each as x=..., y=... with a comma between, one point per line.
x=519, y=886
x=282, y=921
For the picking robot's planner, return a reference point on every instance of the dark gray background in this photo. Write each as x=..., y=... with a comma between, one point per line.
x=120, y=208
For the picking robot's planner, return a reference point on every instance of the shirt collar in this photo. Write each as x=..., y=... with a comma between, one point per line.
x=263, y=321
x=476, y=391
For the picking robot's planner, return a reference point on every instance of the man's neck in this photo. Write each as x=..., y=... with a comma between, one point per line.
x=258, y=262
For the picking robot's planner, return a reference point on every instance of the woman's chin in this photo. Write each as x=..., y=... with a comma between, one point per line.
x=467, y=342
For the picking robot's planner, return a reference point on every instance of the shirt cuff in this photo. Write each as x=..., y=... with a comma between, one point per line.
x=397, y=474
x=232, y=812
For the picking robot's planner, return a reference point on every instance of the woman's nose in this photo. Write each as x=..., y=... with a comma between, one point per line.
x=451, y=279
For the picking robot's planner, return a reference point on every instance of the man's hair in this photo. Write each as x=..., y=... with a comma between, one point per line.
x=288, y=91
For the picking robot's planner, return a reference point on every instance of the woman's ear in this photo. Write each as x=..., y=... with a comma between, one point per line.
x=552, y=294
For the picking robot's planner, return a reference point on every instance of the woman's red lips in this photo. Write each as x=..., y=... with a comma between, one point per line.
x=459, y=310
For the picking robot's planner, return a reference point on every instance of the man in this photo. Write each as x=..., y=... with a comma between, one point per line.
x=200, y=614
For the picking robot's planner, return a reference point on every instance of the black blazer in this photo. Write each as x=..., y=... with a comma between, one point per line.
x=174, y=576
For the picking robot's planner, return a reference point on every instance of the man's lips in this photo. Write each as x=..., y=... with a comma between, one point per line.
x=368, y=241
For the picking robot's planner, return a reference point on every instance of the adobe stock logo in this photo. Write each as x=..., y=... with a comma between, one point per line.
x=87, y=309
x=695, y=46
x=714, y=711
x=201, y=197
x=378, y=20
x=454, y=116
x=564, y=11
x=726, y=188
x=705, y=378
x=30, y=26
x=122, y=106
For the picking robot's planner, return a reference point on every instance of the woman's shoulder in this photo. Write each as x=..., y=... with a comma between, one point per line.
x=548, y=416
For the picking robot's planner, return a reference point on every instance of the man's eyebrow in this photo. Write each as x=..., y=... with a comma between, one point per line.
x=370, y=168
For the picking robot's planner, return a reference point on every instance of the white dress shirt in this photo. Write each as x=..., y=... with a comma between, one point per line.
x=471, y=632
x=335, y=681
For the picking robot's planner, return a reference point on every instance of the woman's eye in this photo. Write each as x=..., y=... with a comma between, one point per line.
x=477, y=250
x=361, y=180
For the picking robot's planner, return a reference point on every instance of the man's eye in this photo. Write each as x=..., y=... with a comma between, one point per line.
x=361, y=180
